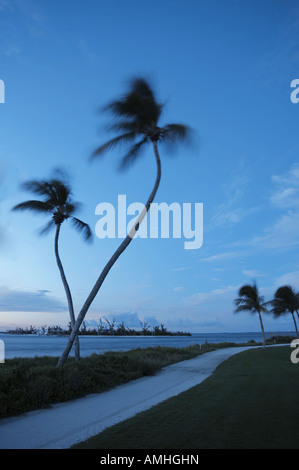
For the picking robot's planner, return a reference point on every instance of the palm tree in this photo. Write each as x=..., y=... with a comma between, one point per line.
x=57, y=201
x=285, y=300
x=297, y=304
x=250, y=300
x=137, y=114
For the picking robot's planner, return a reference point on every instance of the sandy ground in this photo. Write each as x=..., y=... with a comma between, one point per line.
x=65, y=424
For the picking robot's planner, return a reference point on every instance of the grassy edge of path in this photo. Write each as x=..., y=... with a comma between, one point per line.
x=249, y=402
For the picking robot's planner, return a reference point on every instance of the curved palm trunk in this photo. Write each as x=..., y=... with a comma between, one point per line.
x=295, y=324
x=112, y=260
x=262, y=327
x=67, y=291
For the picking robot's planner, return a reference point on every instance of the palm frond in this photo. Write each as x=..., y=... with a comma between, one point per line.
x=34, y=186
x=279, y=307
x=132, y=154
x=69, y=208
x=57, y=201
x=126, y=107
x=61, y=192
x=138, y=104
x=249, y=299
x=124, y=138
x=33, y=205
x=244, y=304
x=263, y=308
x=82, y=227
x=136, y=108
x=47, y=227
x=173, y=134
x=249, y=291
x=46, y=189
x=244, y=307
x=286, y=293
x=285, y=299
x=176, y=132
x=124, y=126
x=141, y=87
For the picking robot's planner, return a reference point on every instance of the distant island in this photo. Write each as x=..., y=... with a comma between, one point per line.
x=107, y=329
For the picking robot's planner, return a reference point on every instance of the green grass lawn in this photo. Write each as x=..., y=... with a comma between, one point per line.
x=251, y=401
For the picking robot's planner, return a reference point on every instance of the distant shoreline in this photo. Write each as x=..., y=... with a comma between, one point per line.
x=150, y=335
x=64, y=333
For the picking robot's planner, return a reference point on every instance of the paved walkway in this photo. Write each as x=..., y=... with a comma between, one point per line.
x=65, y=424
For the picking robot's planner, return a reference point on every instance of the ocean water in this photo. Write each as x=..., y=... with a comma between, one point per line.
x=34, y=345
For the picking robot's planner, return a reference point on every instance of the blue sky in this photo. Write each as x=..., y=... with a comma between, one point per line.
x=225, y=69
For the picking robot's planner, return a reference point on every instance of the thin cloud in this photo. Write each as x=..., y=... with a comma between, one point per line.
x=31, y=15
x=231, y=210
x=203, y=297
x=223, y=256
x=283, y=233
x=178, y=289
x=290, y=278
x=14, y=300
x=183, y=268
x=252, y=273
x=286, y=194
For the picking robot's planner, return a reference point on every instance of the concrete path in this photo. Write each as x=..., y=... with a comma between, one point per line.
x=65, y=424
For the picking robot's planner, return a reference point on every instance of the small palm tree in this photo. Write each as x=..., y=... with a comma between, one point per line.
x=285, y=300
x=57, y=201
x=250, y=300
x=137, y=115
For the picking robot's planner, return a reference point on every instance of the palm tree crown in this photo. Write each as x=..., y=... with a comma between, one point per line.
x=56, y=200
x=137, y=114
x=285, y=300
x=250, y=300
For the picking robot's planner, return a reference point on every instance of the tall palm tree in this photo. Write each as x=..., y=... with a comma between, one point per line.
x=57, y=201
x=285, y=300
x=250, y=300
x=137, y=115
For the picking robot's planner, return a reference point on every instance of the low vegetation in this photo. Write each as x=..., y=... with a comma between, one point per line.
x=32, y=383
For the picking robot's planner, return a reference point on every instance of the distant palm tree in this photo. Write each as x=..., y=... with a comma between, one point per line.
x=250, y=300
x=285, y=300
x=297, y=304
x=57, y=201
x=137, y=114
